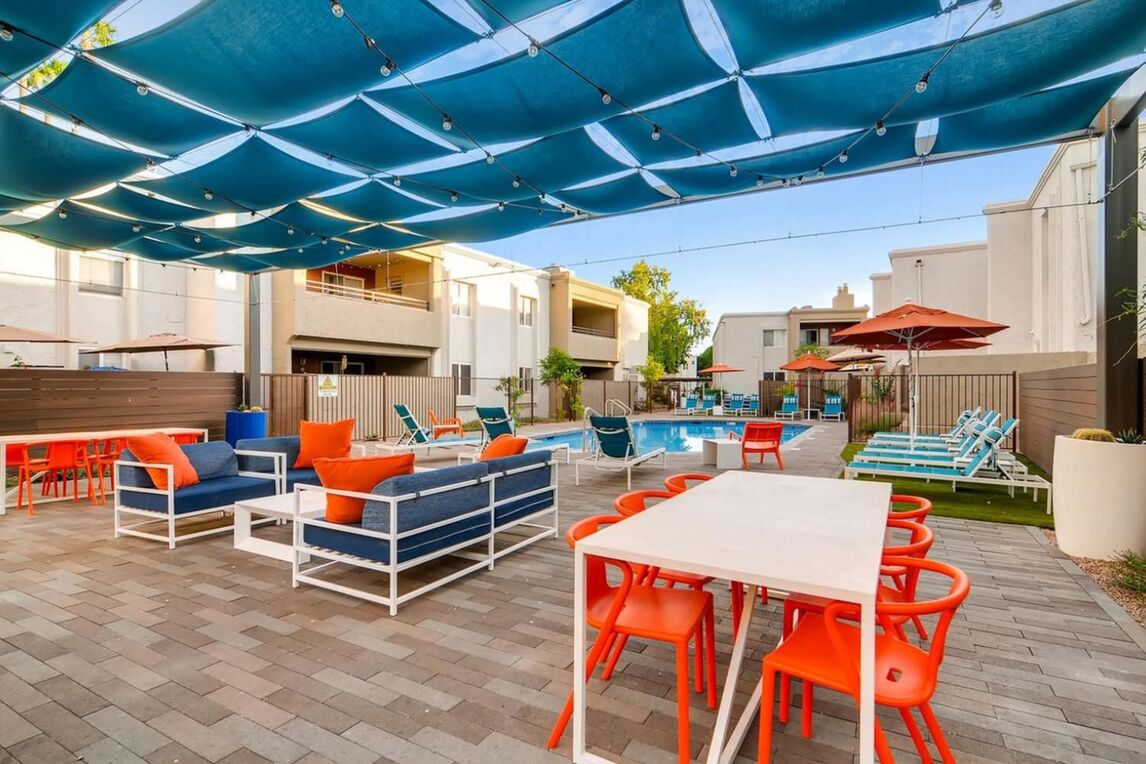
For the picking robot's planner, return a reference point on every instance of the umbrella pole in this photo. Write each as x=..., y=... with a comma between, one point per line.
x=166, y=363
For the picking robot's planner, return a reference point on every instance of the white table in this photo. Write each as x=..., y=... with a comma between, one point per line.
x=797, y=534
x=41, y=438
x=722, y=452
x=284, y=506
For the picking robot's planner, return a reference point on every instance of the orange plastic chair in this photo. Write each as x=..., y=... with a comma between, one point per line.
x=441, y=427
x=824, y=651
x=760, y=438
x=503, y=445
x=185, y=438
x=70, y=458
x=645, y=612
x=918, y=508
x=16, y=456
x=678, y=483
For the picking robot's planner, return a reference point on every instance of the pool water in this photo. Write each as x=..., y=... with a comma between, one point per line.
x=673, y=436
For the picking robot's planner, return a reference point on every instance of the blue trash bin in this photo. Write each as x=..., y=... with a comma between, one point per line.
x=245, y=424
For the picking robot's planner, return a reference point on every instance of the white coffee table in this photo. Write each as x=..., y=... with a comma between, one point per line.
x=285, y=506
x=722, y=452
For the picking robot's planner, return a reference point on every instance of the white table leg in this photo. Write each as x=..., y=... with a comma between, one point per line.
x=720, y=751
x=242, y=522
x=867, y=683
x=4, y=480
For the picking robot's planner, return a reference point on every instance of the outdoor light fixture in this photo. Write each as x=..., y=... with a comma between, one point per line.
x=844, y=156
x=820, y=171
x=759, y=181
x=656, y=132
x=6, y=34
x=517, y=182
x=208, y=195
x=141, y=88
x=151, y=164
x=732, y=171
x=447, y=124
x=533, y=48
x=501, y=206
x=880, y=128
x=136, y=228
x=198, y=239
x=921, y=86
x=996, y=8
x=489, y=158
x=63, y=215
x=337, y=9
x=785, y=183
x=290, y=230
x=387, y=68
x=453, y=196
x=397, y=181
x=323, y=240
x=605, y=97
x=799, y=179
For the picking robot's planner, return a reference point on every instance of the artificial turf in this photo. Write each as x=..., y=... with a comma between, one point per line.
x=970, y=501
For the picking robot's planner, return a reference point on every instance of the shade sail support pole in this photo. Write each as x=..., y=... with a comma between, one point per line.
x=252, y=343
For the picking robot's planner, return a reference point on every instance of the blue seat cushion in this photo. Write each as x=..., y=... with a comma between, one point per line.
x=506, y=487
x=409, y=548
x=305, y=475
x=206, y=494
x=288, y=445
x=425, y=510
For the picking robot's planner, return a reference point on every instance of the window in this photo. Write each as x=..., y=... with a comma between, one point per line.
x=809, y=336
x=464, y=374
x=525, y=377
x=101, y=275
x=394, y=284
x=772, y=337
x=526, y=310
x=338, y=283
x=461, y=299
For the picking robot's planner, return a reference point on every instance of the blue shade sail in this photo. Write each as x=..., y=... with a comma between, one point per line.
x=374, y=201
x=488, y=224
x=712, y=120
x=381, y=237
x=7, y=204
x=514, y=10
x=57, y=23
x=41, y=162
x=81, y=228
x=240, y=263
x=621, y=195
x=196, y=241
x=1007, y=61
x=295, y=225
x=546, y=165
x=133, y=204
x=765, y=31
x=154, y=249
x=357, y=133
x=260, y=62
x=310, y=257
x=1033, y=118
x=639, y=50
x=253, y=176
x=112, y=106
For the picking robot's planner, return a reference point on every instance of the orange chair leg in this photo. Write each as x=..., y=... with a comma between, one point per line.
x=737, y=606
x=806, y=710
x=919, y=627
x=618, y=648
x=936, y=733
x=779, y=459
x=744, y=458
x=882, y=749
x=916, y=735
x=710, y=656
x=764, y=754
x=698, y=659
x=785, y=698
x=682, y=700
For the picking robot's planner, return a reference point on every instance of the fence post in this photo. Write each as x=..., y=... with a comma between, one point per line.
x=385, y=407
x=853, y=395
x=1015, y=407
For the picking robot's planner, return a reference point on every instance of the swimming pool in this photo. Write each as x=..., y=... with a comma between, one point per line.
x=675, y=436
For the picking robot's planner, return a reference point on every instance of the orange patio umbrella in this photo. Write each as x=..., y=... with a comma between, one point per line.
x=810, y=362
x=915, y=328
x=720, y=368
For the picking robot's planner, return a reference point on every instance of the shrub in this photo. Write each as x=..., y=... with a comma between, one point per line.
x=559, y=367
x=1093, y=433
x=1131, y=571
x=1131, y=437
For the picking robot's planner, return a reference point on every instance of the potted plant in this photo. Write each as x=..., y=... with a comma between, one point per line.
x=1100, y=493
x=246, y=422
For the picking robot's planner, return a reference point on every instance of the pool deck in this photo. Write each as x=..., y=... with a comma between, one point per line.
x=123, y=651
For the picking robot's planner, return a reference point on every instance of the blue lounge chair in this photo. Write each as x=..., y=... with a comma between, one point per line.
x=962, y=426
x=751, y=405
x=735, y=404
x=833, y=408
x=789, y=407
x=495, y=421
x=706, y=406
x=689, y=405
x=615, y=448
x=416, y=436
x=968, y=448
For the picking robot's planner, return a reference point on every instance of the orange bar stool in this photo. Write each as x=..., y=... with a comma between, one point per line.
x=824, y=650
x=905, y=507
x=679, y=483
x=676, y=616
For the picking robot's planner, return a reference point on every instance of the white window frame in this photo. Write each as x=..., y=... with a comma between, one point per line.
x=342, y=281
x=95, y=287
x=527, y=311
x=525, y=378
x=458, y=307
x=465, y=380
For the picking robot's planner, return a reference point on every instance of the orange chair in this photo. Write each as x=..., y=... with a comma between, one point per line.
x=824, y=650
x=920, y=508
x=645, y=612
x=185, y=438
x=16, y=456
x=503, y=445
x=440, y=427
x=678, y=483
x=70, y=458
x=103, y=457
x=760, y=438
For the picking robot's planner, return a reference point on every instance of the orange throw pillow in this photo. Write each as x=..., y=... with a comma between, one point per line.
x=504, y=445
x=358, y=474
x=161, y=449
x=323, y=440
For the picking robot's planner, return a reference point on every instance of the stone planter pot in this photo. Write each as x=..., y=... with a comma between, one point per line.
x=1099, y=497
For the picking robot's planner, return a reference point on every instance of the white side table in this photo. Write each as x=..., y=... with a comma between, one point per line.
x=281, y=506
x=722, y=452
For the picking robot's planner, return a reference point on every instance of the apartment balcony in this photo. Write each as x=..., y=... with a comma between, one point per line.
x=589, y=344
x=369, y=295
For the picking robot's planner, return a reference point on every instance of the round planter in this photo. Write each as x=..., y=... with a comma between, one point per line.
x=242, y=425
x=1099, y=497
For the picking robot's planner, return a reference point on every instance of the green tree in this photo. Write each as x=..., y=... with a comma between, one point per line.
x=559, y=368
x=98, y=36
x=811, y=347
x=651, y=374
x=511, y=386
x=675, y=325
x=704, y=359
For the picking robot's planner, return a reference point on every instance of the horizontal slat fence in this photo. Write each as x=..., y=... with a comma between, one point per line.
x=1055, y=402
x=63, y=400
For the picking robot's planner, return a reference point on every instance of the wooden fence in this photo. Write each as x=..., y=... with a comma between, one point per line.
x=64, y=400
x=1055, y=402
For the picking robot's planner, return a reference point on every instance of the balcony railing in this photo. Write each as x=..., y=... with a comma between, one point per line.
x=369, y=295
x=594, y=332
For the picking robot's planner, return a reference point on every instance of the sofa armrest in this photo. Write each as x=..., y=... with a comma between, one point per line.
x=121, y=486
x=278, y=459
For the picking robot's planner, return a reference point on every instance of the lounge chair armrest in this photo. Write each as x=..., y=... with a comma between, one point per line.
x=121, y=486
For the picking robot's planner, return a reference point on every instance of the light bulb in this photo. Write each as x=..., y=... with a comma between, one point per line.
x=785, y=183
x=880, y=128
x=517, y=182
x=819, y=172
x=540, y=211
x=323, y=240
x=489, y=159
x=198, y=239
x=844, y=156
x=290, y=230
x=142, y=88
x=397, y=181
x=799, y=179
x=541, y=197
x=605, y=97
x=759, y=181
x=921, y=86
x=656, y=132
x=386, y=68
x=453, y=196
x=299, y=250
x=208, y=195
x=63, y=215
x=447, y=124
x=151, y=164
x=337, y=9
x=996, y=8
x=732, y=171
x=533, y=49
x=136, y=228
x=6, y=34
x=501, y=206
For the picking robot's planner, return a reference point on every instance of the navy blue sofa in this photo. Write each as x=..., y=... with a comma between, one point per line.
x=287, y=446
x=139, y=505
x=410, y=520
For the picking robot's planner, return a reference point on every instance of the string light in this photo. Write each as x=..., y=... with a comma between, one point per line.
x=290, y=230
x=996, y=8
x=501, y=206
x=921, y=86
x=151, y=164
x=198, y=239
x=759, y=181
x=447, y=123
x=656, y=132
x=732, y=171
x=63, y=215
x=844, y=156
x=136, y=228
x=6, y=33
x=324, y=240
x=605, y=97
x=880, y=128
x=208, y=195
x=799, y=179
x=141, y=88
x=820, y=171
x=489, y=158
x=397, y=181
x=517, y=182
x=453, y=196
x=386, y=68
x=299, y=250
x=533, y=48
x=785, y=183
x=337, y=9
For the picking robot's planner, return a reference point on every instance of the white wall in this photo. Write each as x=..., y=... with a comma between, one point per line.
x=739, y=342
x=634, y=338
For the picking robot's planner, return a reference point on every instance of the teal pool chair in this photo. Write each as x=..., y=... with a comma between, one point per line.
x=963, y=425
x=751, y=405
x=706, y=406
x=415, y=436
x=615, y=448
x=979, y=438
x=495, y=421
x=789, y=407
x=688, y=406
x=833, y=408
x=735, y=404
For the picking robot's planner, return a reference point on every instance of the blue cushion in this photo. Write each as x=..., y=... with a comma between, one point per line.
x=133, y=476
x=409, y=548
x=213, y=459
x=417, y=512
x=206, y=494
x=305, y=475
x=505, y=488
x=285, y=445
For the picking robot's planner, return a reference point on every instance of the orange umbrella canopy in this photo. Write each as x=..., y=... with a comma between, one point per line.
x=810, y=362
x=719, y=368
x=914, y=326
x=20, y=334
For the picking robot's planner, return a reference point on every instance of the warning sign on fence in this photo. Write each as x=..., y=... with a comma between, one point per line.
x=327, y=386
